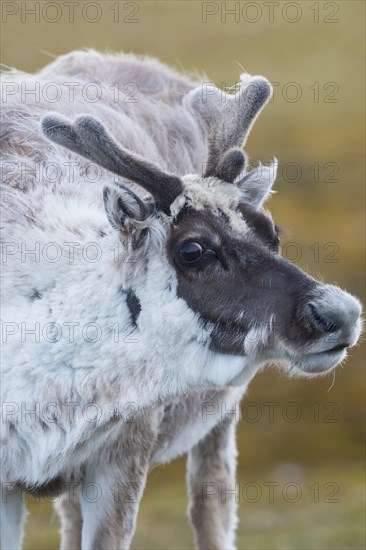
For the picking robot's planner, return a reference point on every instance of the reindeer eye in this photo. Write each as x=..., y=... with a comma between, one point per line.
x=190, y=253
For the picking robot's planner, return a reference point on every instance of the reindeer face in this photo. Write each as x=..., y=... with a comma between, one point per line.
x=226, y=254
x=223, y=250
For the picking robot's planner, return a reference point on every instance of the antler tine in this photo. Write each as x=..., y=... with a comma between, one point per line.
x=88, y=137
x=227, y=119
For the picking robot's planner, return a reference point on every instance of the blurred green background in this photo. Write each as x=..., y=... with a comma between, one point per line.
x=313, y=52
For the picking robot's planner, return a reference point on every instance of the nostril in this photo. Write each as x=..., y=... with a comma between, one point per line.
x=322, y=322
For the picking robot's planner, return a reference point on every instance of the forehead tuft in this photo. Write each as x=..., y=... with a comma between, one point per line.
x=211, y=194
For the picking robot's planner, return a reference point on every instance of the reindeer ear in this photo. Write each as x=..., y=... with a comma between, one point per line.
x=256, y=186
x=126, y=211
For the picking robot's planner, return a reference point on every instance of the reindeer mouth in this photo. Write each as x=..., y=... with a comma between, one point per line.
x=322, y=361
x=336, y=349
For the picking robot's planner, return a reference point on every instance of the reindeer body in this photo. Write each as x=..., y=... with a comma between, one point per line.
x=99, y=342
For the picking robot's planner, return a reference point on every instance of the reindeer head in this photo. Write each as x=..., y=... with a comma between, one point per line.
x=222, y=249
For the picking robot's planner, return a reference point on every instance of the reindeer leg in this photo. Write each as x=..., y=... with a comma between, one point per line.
x=12, y=513
x=211, y=471
x=113, y=487
x=69, y=512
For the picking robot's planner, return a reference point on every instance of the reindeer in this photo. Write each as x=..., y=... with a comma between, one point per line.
x=188, y=298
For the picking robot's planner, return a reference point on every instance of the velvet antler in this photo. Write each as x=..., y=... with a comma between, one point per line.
x=88, y=137
x=227, y=119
